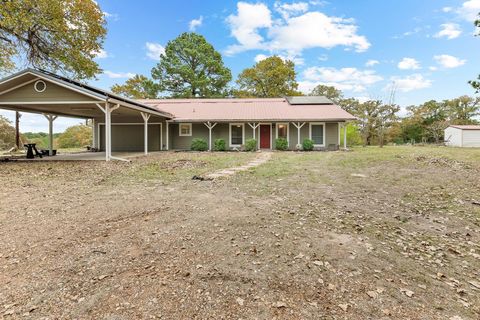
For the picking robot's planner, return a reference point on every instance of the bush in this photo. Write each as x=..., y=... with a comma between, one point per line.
x=75, y=137
x=281, y=144
x=199, y=144
x=307, y=145
x=251, y=145
x=219, y=145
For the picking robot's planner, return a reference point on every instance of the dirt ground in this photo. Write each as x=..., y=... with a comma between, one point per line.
x=373, y=233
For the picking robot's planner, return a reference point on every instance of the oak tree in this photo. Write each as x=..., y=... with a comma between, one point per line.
x=138, y=87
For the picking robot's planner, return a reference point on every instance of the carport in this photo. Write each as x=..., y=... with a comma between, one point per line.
x=42, y=92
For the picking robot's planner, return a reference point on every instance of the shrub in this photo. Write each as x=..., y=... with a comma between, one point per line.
x=281, y=144
x=199, y=144
x=251, y=145
x=307, y=145
x=219, y=145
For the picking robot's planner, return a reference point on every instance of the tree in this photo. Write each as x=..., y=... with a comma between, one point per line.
x=385, y=117
x=191, y=68
x=463, y=110
x=7, y=134
x=138, y=87
x=476, y=83
x=59, y=35
x=270, y=78
x=75, y=137
x=366, y=113
x=330, y=92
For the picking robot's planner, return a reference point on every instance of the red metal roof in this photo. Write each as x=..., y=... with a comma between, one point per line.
x=466, y=127
x=270, y=109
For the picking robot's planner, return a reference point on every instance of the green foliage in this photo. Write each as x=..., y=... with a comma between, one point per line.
x=199, y=144
x=251, y=145
x=330, y=92
x=307, y=145
x=281, y=144
x=7, y=134
x=271, y=77
x=40, y=138
x=219, y=145
x=354, y=138
x=75, y=137
x=476, y=83
x=191, y=67
x=59, y=35
x=138, y=87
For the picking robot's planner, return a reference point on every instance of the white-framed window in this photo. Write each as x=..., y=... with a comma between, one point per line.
x=237, y=134
x=317, y=133
x=184, y=129
x=282, y=131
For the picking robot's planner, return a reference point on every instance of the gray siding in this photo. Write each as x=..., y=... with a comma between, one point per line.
x=130, y=137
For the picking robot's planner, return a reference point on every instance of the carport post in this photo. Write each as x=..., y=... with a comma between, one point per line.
x=108, y=127
x=345, y=136
x=210, y=127
x=145, y=117
x=167, y=142
x=50, y=118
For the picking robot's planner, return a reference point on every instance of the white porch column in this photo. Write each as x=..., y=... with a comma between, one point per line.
x=345, y=136
x=299, y=126
x=254, y=127
x=50, y=118
x=108, y=128
x=145, y=117
x=210, y=126
x=167, y=136
x=94, y=134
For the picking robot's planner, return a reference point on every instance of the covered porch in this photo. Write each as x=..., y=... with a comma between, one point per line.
x=41, y=92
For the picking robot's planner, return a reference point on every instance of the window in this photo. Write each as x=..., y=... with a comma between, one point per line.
x=185, y=129
x=317, y=134
x=282, y=130
x=236, y=134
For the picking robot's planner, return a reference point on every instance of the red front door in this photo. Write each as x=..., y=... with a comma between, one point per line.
x=265, y=136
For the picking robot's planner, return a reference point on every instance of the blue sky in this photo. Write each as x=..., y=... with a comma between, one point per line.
x=425, y=49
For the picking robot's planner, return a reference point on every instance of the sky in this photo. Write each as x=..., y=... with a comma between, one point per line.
x=424, y=49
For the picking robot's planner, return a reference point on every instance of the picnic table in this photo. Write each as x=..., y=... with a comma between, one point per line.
x=31, y=147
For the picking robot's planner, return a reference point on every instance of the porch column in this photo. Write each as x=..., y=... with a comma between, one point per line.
x=254, y=126
x=50, y=118
x=108, y=128
x=299, y=126
x=345, y=136
x=210, y=126
x=94, y=134
x=145, y=117
x=167, y=136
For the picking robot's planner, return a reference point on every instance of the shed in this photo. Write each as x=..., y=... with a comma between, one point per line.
x=467, y=136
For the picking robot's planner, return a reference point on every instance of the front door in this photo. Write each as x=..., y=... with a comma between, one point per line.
x=265, y=136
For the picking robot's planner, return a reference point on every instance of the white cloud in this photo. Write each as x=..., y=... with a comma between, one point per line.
x=447, y=9
x=432, y=68
x=195, y=23
x=245, y=24
x=290, y=33
x=287, y=10
x=154, y=50
x=409, y=64
x=297, y=60
x=469, y=10
x=113, y=16
x=371, y=63
x=315, y=29
x=100, y=54
x=449, y=30
x=349, y=79
x=118, y=75
x=409, y=83
x=448, y=61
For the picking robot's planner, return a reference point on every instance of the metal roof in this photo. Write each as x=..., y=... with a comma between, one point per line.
x=299, y=100
x=466, y=127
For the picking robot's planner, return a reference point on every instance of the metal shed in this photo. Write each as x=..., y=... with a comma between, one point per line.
x=467, y=136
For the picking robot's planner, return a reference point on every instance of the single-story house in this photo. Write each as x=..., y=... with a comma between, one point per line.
x=463, y=136
x=121, y=124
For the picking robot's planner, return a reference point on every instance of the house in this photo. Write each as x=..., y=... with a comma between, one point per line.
x=463, y=136
x=122, y=124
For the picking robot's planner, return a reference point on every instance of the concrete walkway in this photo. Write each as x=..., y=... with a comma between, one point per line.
x=261, y=158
